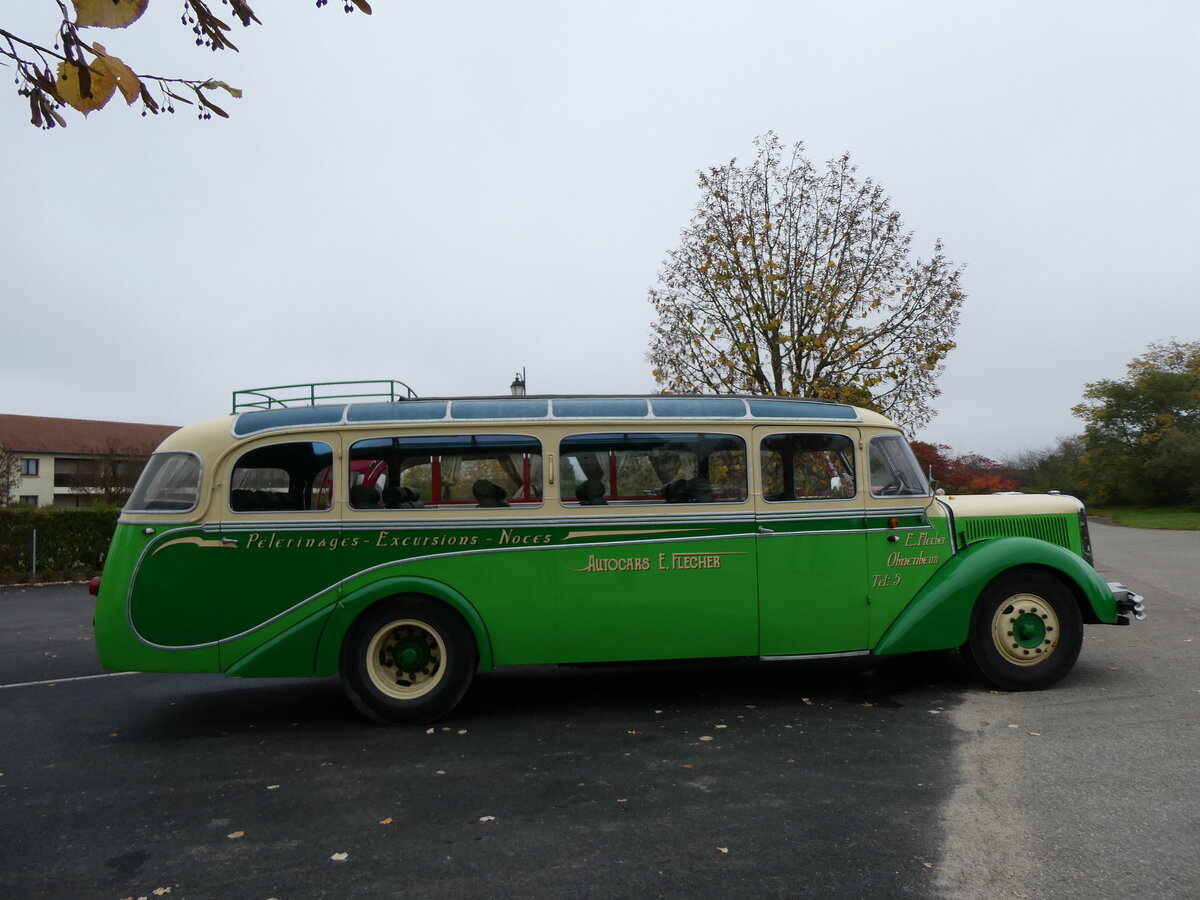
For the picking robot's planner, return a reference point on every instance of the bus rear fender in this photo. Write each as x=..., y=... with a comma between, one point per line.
x=359, y=598
x=939, y=616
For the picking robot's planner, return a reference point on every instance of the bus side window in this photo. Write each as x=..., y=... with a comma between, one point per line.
x=282, y=477
x=668, y=467
x=419, y=471
x=894, y=469
x=807, y=466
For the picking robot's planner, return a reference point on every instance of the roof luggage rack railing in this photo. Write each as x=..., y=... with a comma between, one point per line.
x=289, y=395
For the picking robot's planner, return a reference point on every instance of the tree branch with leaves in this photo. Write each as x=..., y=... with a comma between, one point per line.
x=84, y=76
x=797, y=282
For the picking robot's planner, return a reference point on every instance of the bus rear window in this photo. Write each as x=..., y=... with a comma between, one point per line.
x=283, y=477
x=169, y=483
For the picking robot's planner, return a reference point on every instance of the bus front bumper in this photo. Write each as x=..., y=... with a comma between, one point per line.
x=1128, y=603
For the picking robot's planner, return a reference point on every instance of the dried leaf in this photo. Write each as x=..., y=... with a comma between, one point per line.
x=128, y=83
x=387, y=821
x=213, y=84
x=220, y=112
x=108, y=13
x=84, y=89
x=148, y=101
x=243, y=12
x=46, y=82
x=339, y=857
x=363, y=5
x=234, y=835
x=487, y=818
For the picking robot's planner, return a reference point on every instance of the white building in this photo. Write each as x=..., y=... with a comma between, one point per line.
x=72, y=462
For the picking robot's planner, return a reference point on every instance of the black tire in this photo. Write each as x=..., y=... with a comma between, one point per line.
x=408, y=659
x=1026, y=631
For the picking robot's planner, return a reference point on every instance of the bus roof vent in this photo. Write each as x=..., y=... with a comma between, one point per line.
x=286, y=396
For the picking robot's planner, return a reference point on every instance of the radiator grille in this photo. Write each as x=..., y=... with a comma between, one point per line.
x=1052, y=529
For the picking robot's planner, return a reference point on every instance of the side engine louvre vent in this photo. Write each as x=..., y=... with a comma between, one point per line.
x=1052, y=529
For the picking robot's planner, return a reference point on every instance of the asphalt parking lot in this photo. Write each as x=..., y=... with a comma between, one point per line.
x=854, y=778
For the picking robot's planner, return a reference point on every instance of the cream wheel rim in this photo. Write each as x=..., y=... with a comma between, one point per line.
x=1025, y=630
x=406, y=659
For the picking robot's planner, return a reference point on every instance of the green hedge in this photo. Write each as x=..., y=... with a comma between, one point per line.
x=71, y=543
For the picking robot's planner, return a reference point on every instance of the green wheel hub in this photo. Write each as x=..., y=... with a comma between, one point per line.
x=1025, y=629
x=411, y=654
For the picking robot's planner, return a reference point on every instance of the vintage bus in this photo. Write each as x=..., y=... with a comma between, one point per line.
x=408, y=543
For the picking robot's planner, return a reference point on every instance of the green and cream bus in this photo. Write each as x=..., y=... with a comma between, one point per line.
x=407, y=543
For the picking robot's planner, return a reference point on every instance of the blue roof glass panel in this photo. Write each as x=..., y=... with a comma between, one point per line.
x=517, y=408
x=800, y=409
x=698, y=407
x=408, y=411
x=268, y=419
x=601, y=408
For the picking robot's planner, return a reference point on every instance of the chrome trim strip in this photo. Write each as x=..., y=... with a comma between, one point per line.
x=845, y=653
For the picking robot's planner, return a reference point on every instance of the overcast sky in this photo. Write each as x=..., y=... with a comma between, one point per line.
x=444, y=193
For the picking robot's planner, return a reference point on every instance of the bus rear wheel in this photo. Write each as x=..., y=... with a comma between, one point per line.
x=408, y=659
x=1025, y=633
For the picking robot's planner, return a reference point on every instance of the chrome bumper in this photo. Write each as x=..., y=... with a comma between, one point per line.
x=1128, y=603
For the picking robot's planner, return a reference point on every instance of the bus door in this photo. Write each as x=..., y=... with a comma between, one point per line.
x=908, y=536
x=662, y=562
x=812, y=541
x=281, y=527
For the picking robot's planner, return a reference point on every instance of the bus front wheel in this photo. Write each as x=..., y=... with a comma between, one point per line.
x=408, y=659
x=1025, y=633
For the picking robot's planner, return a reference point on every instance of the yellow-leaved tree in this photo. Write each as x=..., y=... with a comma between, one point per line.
x=797, y=282
x=83, y=75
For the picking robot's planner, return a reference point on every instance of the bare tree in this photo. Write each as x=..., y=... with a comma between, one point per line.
x=108, y=476
x=796, y=282
x=85, y=76
x=10, y=474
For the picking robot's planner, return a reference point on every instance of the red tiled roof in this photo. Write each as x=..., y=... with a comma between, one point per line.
x=39, y=434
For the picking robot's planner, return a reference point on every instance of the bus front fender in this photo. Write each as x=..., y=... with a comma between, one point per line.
x=939, y=616
x=358, y=598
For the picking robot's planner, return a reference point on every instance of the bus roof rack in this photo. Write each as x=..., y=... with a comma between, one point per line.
x=314, y=394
